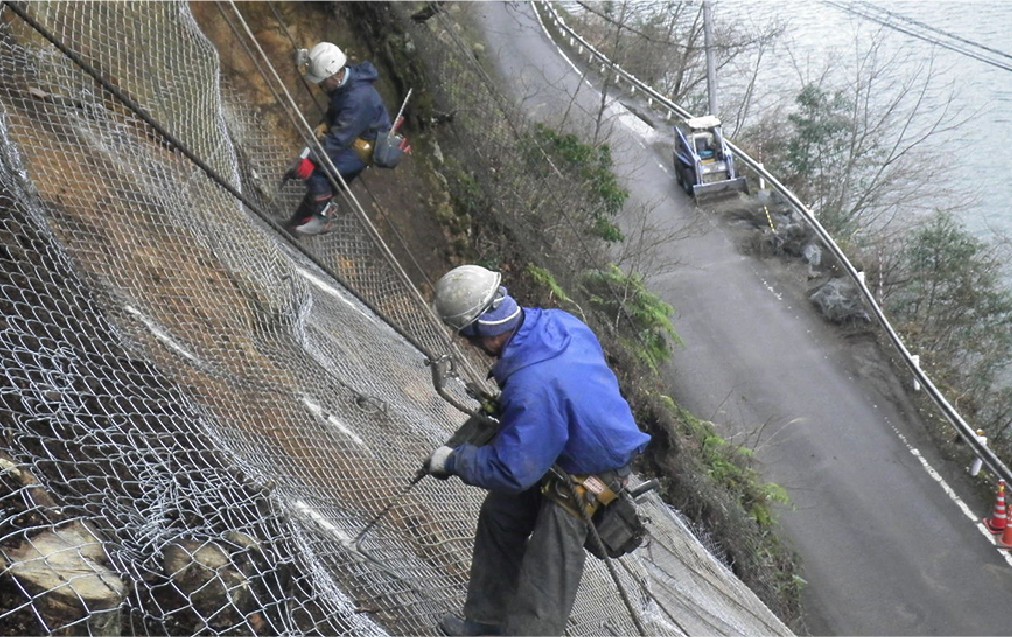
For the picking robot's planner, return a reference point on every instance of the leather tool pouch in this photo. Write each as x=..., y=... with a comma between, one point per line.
x=619, y=526
x=364, y=149
x=613, y=513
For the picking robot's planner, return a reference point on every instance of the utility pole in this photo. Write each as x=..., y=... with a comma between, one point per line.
x=711, y=67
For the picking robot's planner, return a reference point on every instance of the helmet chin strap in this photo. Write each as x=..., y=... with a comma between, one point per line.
x=344, y=80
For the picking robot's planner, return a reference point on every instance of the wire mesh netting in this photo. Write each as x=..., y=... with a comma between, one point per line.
x=202, y=420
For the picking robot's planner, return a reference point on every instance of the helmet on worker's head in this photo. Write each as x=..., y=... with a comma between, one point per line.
x=325, y=59
x=470, y=300
x=463, y=293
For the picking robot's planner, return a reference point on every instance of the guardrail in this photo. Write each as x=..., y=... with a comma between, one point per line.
x=955, y=419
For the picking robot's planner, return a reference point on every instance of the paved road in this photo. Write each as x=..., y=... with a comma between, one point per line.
x=886, y=550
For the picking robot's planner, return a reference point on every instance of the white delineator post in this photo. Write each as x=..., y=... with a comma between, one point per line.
x=916, y=358
x=978, y=462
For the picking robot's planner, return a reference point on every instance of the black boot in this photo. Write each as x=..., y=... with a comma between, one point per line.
x=309, y=208
x=455, y=626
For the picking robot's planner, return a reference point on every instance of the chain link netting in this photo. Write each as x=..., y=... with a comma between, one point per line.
x=202, y=420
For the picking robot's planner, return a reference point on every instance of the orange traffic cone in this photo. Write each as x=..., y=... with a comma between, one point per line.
x=999, y=521
x=1005, y=541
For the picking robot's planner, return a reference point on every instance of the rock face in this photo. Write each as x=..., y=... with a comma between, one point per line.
x=211, y=581
x=63, y=572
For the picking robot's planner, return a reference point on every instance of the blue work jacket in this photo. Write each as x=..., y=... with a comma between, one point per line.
x=355, y=110
x=560, y=404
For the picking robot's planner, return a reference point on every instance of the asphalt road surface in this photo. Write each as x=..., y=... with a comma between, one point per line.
x=887, y=546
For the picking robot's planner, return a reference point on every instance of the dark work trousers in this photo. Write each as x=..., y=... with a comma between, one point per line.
x=320, y=192
x=527, y=564
x=348, y=164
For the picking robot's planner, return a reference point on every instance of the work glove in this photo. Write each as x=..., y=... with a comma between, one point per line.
x=303, y=168
x=321, y=131
x=435, y=465
x=300, y=169
x=489, y=402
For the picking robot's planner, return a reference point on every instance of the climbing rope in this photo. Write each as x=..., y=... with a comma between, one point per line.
x=175, y=143
x=295, y=116
x=375, y=202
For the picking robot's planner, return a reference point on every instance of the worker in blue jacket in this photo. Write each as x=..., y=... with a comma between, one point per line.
x=355, y=115
x=560, y=406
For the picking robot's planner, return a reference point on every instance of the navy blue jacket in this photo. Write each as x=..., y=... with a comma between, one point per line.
x=356, y=109
x=560, y=404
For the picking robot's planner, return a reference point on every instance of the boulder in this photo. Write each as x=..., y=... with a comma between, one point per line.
x=63, y=571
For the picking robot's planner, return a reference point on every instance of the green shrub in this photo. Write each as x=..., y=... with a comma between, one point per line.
x=640, y=318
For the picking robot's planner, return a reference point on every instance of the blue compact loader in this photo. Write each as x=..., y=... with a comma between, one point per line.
x=704, y=165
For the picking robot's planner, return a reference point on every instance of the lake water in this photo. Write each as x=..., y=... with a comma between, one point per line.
x=819, y=30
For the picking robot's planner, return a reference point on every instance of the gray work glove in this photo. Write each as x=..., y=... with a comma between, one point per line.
x=435, y=465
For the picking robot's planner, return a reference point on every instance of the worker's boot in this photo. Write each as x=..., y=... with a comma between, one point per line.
x=311, y=218
x=454, y=626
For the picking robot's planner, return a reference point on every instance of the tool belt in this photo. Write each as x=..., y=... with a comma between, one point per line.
x=582, y=495
x=363, y=147
x=603, y=500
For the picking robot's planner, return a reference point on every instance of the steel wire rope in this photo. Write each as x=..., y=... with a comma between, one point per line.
x=375, y=201
x=891, y=25
x=295, y=47
x=297, y=118
x=399, y=495
x=942, y=32
x=185, y=150
x=995, y=464
x=289, y=107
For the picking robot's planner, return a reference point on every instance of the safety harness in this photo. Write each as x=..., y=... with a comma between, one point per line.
x=583, y=495
x=387, y=149
x=605, y=504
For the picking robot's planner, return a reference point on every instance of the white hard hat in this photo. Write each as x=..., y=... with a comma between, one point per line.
x=325, y=59
x=465, y=292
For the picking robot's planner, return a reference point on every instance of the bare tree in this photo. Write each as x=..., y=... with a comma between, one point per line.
x=664, y=48
x=861, y=142
x=645, y=235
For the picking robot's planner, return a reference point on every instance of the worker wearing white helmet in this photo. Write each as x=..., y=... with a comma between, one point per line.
x=561, y=413
x=355, y=116
x=326, y=61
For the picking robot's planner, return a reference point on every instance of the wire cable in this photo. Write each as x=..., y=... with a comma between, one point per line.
x=867, y=13
x=189, y=154
x=382, y=212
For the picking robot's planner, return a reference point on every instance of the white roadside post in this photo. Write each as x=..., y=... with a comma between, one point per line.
x=978, y=462
x=916, y=358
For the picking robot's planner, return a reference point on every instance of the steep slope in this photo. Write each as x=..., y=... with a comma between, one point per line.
x=228, y=410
